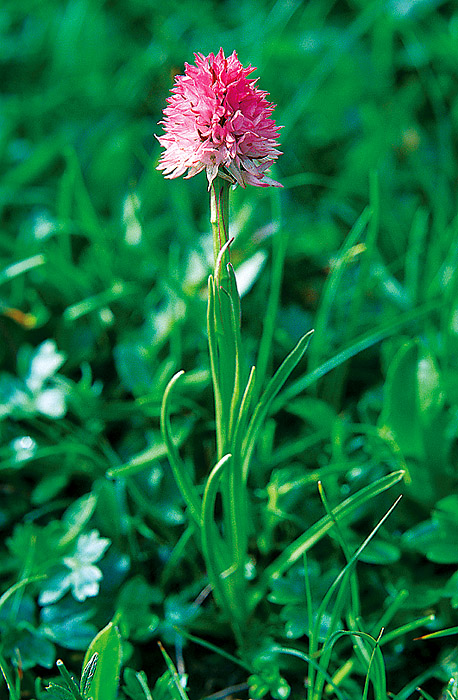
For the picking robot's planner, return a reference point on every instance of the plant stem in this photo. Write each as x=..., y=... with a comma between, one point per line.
x=219, y=214
x=224, y=342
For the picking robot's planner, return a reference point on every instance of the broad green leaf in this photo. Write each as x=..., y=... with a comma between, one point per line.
x=401, y=411
x=133, y=610
x=107, y=645
x=413, y=397
x=77, y=516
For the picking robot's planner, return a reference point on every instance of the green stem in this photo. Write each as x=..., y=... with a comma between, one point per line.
x=225, y=355
x=219, y=216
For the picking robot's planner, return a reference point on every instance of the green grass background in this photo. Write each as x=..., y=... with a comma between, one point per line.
x=107, y=260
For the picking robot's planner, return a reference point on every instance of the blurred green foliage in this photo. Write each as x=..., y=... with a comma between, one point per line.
x=103, y=268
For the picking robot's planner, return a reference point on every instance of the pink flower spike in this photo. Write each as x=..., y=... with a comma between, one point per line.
x=218, y=120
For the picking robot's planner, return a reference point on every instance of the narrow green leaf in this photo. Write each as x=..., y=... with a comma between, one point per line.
x=379, y=678
x=212, y=544
x=234, y=293
x=9, y=680
x=107, y=645
x=410, y=627
x=279, y=245
x=214, y=364
x=226, y=334
x=271, y=391
x=365, y=341
x=69, y=680
x=77, y=516
x=215, y=649
x=17, y=586
x=182, y=478
x=18, y=268
x=341, y=539
x=332, y=287
x=242, y=419
x=237, y=496
x=152, y=454
x=136, y=684
x=297, y=548
x=311, y=663
x=174, y=673
x=340, y=585
x=118, y=290
x=440, y=633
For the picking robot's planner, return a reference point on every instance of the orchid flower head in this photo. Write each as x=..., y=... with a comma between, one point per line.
x=218, y=120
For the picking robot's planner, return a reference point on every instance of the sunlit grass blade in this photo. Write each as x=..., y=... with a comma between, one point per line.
x=118, y=290
x=184, y=483
x=19, y=268
x=440, y=633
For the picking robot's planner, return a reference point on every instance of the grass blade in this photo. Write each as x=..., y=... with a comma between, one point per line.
x=180, y=472
x=366, y=341
x=269, y=394
x=10, y=684
x=295, y=550
x=216, y=560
